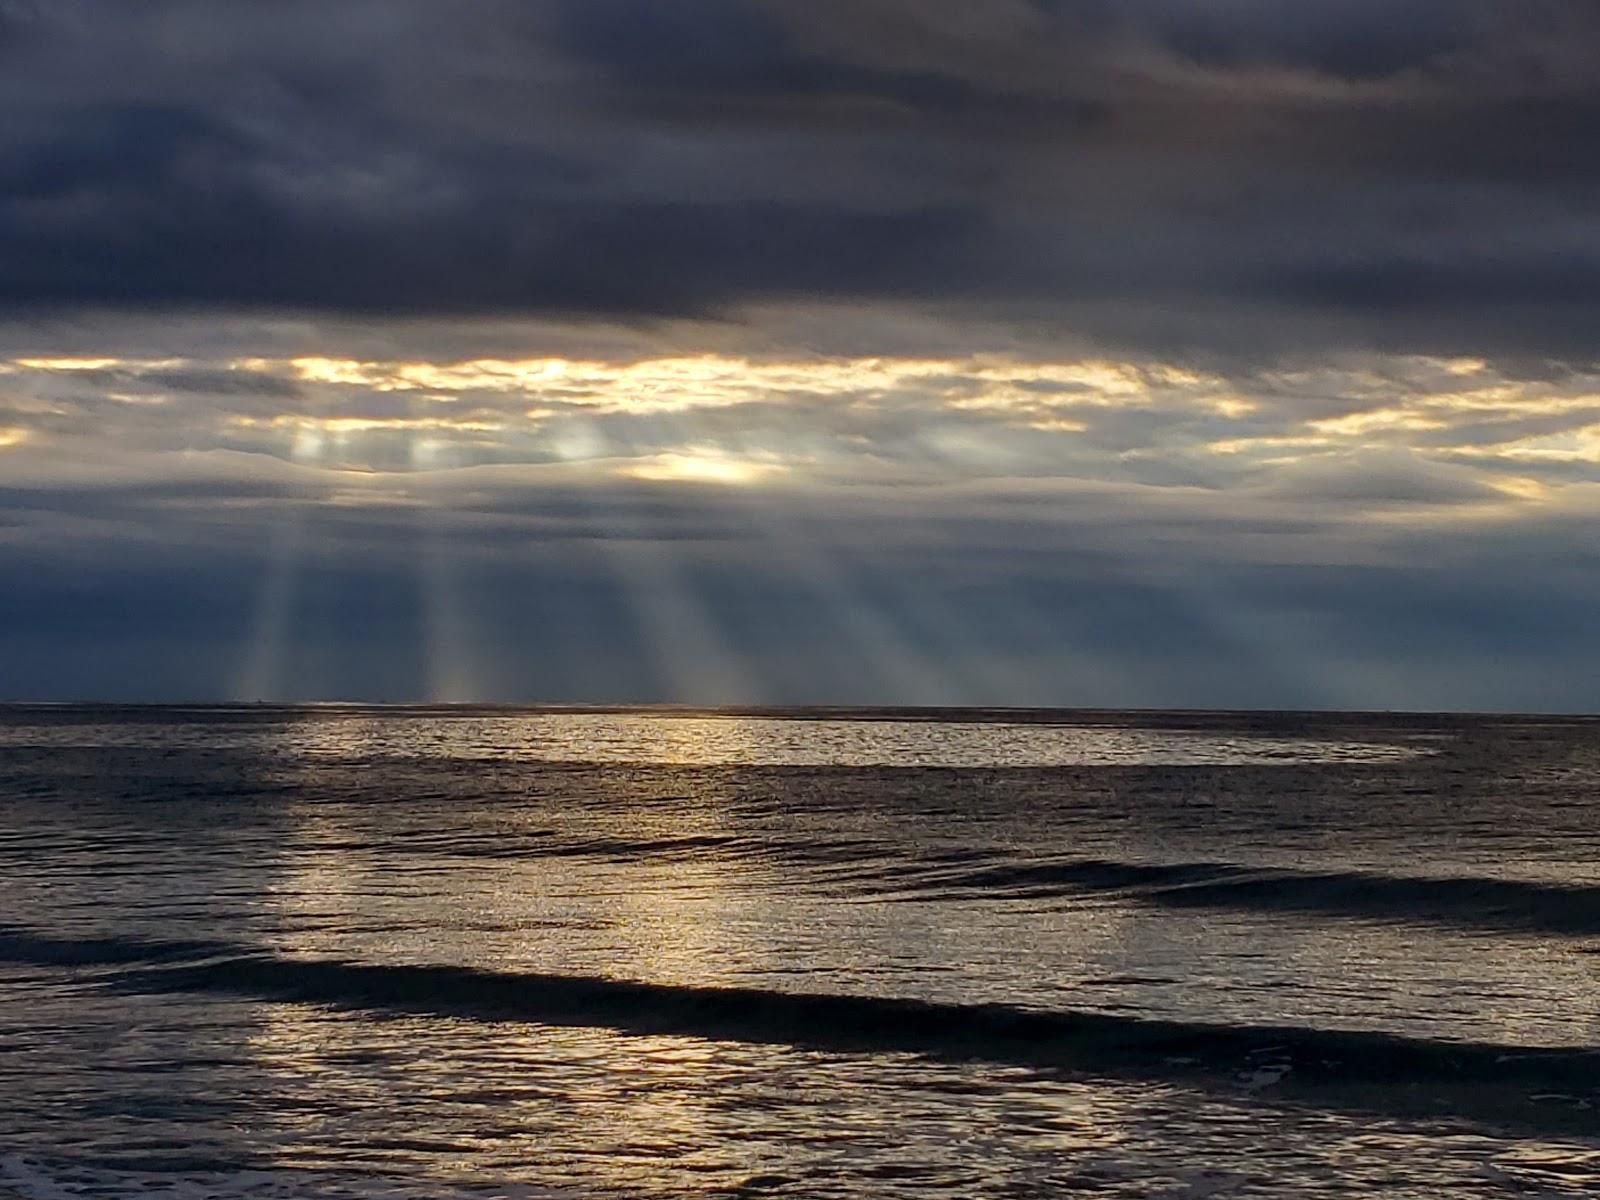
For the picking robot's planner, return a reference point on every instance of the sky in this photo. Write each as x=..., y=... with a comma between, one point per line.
x=1157, y=353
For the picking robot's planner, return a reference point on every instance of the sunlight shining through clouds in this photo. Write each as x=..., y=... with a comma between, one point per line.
x=885, y=599
x=1156, y=352
x=705, y=466
x=738, y=420
x=946, y=530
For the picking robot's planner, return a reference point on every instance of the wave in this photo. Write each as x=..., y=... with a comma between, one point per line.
x=549, y=843
x=613, y=848
x=38, y=1177
x=1375, y=1069
x=1460, y=902
x=1457, y=901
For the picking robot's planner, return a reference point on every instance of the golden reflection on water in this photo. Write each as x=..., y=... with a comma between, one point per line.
x=604, y=1109
x=672, y=739
x=352, y=836
x=694, y=894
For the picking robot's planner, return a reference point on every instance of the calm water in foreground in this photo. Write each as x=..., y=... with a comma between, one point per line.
x=348, y=952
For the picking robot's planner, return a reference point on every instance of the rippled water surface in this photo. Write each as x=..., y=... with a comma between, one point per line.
x=379, y=952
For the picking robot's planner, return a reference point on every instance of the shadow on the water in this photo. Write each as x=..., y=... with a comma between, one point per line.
x=1503, y=1085
x=1500, y=905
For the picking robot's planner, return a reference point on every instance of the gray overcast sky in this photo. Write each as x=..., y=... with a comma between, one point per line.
x=1149, y=352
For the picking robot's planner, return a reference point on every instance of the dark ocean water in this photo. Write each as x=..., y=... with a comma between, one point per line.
x=379, y=952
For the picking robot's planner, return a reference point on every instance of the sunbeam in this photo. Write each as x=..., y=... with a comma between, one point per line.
x=263, y=675
x=890, y=600
x=452, y=670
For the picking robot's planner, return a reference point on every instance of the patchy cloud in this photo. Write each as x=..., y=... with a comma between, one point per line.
x=1405, y=423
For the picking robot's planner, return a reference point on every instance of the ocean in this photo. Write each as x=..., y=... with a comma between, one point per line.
x=345, y=951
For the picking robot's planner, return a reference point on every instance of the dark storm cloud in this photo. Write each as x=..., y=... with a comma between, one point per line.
x=1351, y=39
x=222, y=242
x=1152, y=171
x=730, y=49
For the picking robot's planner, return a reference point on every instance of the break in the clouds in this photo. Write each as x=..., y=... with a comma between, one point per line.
x=1034, y=351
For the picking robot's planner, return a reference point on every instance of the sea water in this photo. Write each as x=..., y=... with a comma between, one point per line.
x=357, y=952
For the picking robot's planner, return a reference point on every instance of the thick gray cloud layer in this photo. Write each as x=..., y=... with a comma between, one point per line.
x=1413, y=173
